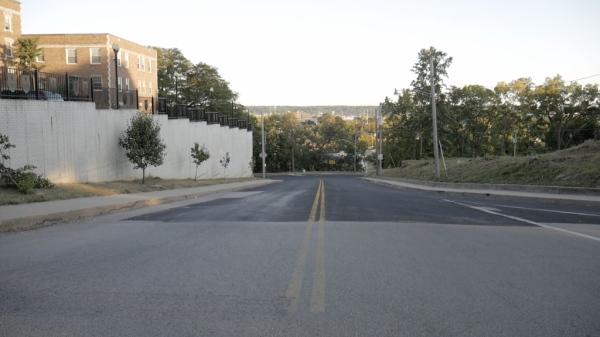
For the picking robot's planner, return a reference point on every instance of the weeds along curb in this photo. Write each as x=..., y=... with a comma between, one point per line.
x=38, y=221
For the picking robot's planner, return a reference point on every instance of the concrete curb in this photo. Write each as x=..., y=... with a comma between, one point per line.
x=75, y=215
x=501, y=187
x=494, y=191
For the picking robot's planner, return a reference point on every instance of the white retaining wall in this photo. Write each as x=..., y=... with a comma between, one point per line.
x=72, y=142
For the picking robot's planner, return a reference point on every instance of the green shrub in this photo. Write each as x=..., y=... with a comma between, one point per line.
x=26, y=182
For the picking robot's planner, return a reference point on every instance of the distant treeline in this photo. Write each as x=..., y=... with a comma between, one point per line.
x=339, y=110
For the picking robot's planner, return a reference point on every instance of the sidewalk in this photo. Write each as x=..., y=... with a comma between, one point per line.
x=546, y=194
x=28, y=216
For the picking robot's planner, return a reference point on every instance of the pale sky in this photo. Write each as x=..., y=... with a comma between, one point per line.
x=332, y=52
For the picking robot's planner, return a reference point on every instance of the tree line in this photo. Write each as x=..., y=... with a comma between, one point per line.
x=337, y=110
x=517, y=117
x=327, y=145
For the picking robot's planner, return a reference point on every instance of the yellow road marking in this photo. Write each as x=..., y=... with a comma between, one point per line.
x=296, y=282
x=317, y=299
x=322, y=214
x=313, y=211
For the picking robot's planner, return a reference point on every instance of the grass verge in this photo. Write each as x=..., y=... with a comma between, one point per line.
x=72, y=191
x=576, y=167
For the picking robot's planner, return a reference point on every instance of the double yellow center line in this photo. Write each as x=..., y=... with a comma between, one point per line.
x=317, y=298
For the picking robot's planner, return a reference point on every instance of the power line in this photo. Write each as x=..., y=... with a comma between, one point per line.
x=583, y=78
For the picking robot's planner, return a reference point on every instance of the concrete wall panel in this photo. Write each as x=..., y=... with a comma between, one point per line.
x=73, y=142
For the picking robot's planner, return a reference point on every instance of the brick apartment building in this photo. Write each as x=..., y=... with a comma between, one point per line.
x=10, y=31
x=92, y=56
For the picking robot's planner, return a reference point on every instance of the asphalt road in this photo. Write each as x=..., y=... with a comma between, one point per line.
x=312, y=256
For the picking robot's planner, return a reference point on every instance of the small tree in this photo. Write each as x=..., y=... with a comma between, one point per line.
x=143, y=143
x=225, y=162
x=26, y=52
x=200, y=155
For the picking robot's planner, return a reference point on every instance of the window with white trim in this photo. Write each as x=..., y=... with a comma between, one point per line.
x=126, y=60
x=118, y=59
x=150, y=66
x=144, y=86
x=120, y=83
x=9, y=47
x=150, y=88
x=127, y=84
x=143, y=64
x=97, y=83
x=139, y=87
x=8, y=22
x=40, y=57
x=71, y=56
x=139, y=63
x=95, y=56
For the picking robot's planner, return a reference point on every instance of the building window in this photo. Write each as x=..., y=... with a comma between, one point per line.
x=9, y=48
x=139, y=87
x=40, y=57
x=97, y=83
x=150, y=88
x=71, y=56
x=139, y=63
x=127, y=84
x=120, y=83
x=143, y=64
x=96, y=57
x=126, y=60
x=7, y=22
x=150, y=66
x=119, y=59
x=144, y=87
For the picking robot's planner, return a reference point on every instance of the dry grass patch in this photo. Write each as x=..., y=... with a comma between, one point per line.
x=578, y=167
x=72, y=191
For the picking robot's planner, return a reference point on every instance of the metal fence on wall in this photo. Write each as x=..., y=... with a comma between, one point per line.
x=36, y=85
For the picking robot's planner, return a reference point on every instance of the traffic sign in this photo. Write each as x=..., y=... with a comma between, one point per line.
x=332, y=162
x=380, y=156
x=263, y=155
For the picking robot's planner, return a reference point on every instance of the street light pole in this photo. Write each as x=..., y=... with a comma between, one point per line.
x=263, y=154
x=434, y=117
x=293, y=141
x=116, y=49
x=212, y=103
x=379, y=125
x=355, y=151
x=176, y=91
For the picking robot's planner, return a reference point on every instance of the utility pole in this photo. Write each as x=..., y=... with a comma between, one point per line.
x=379, y=125
x=263, y=154
x=434, y=117
x=515, y=147
x=293, y=141
x=355, y=150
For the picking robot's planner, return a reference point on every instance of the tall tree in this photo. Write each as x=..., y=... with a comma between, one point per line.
x=169, y=62
x=26, y=52
x=565, y=108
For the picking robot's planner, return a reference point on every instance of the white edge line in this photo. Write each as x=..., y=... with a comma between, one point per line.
x=525, y=220
x=548, y=210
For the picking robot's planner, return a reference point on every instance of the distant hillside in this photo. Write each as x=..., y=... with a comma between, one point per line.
x=339, y=110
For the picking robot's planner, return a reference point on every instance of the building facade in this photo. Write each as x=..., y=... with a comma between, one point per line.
x=92, y=56
x=10, y=31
